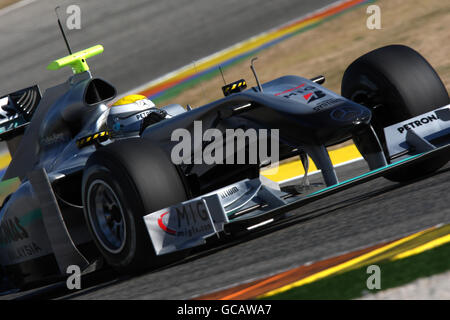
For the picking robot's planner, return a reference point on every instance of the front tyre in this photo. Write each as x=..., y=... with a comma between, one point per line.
x=123, y=182
x=396, y=83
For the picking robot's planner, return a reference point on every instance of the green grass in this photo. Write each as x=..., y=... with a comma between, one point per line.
x=7, y=187
x=352, y=284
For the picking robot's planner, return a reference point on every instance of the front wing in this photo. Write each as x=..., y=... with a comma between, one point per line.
x=250, y=204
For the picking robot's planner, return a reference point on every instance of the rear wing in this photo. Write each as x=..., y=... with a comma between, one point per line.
x=16, y=111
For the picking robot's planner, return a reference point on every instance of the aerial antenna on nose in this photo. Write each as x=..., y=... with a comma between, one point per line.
x=62, y=31
x=254, y=73
x=223, y=77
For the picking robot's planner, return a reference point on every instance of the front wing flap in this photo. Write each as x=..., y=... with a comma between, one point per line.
x=423, y=133
x=190, y=223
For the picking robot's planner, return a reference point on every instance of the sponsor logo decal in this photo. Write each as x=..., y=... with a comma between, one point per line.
x=309, y=93
x=229, y=192
x=417, y=123
x=142, y=115
x=163, y=226
x=316, y=95
x=190, y=219
x=24, y=251
x=11, y=230
x=307, y=96
x=326, y=103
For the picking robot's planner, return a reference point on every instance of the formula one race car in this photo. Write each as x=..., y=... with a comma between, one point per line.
x=100, y=183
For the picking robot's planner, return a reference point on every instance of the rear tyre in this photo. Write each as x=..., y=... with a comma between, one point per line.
x=123, y=182
x=396, y=83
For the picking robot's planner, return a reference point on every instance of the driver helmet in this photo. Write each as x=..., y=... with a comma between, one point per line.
x=126, y=115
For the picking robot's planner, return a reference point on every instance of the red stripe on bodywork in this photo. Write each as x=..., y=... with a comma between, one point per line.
x=289, y=90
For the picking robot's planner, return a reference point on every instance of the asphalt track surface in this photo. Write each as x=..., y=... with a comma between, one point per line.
x=144, y=40
x=359, y=217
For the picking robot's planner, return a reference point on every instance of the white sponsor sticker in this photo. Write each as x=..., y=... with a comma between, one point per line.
x=180, y=227
x=429, y=125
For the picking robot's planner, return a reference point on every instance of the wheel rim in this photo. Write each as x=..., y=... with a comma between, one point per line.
x=106, y=216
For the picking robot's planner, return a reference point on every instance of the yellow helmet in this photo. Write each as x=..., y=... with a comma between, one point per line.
x=129, y=99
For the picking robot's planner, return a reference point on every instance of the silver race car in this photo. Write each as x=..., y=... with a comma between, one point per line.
x=99, y=183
